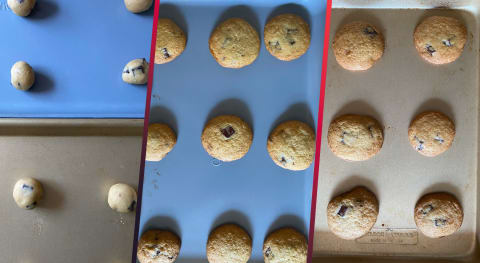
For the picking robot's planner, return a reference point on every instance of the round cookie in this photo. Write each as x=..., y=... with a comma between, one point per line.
x=351, y=215
x=431, y=133
x=122, y=198
x=22, y=76
x=234, y=43
x=160, y=141
x=285, y=245
x=136, y=72
x=21, y=7
x=438, y=215
x=355, y=137
x=227, y=138
x=439, y=39
x=291, y=145
x=229, y=243
x=358, y=46
x=171, y=41
x=158, y=246
x=27, y=192
x=287, y=37
x=138, y=6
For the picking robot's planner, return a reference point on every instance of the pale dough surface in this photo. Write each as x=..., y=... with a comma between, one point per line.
x=138, y=6
x=136, y=72
x=27, y=192
x=21, y=7
x=22, y=75
x=122, y=198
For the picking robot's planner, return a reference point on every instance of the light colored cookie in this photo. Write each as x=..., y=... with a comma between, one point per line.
x=291, y=145
x=438, y=215
x=160, y=141
x=22, y=76
x=171, y=41
x=351, y=215
x=431, y=133
x=439, y=39
x=229, y=243
x=285, y=245
x=355, y=137
x=234, y=43
x=158, y=246
x=227, y=138
x=136, y=72
x=138, y=6
x=122, y=198
x=287, y=37
x=27, y=192
x=358, y=46
x=21, y=7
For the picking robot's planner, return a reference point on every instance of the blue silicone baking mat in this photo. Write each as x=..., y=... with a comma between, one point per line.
x=78, y=50
x=191, y=193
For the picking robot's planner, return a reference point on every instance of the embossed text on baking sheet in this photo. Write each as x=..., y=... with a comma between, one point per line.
x=399, y=236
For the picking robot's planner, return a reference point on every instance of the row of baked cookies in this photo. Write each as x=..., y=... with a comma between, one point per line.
x=236, y=44
x=226, y=243
x=438, y=40
x=291, y=145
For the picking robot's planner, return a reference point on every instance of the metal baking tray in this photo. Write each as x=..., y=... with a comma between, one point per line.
x=78, y=59
x=188, y=191
x=394, y=91
x=77, y=161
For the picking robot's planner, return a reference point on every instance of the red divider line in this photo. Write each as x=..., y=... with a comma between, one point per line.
x=321, y=105
x=145, y=128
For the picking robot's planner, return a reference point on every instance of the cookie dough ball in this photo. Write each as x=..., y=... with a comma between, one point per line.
x=351, y=215
x=22, y=75
x=227, y=138
x=291, y=145
x=136, y=72
x=21, y=7
x=285, y=245
x=438, y=215
x=355, y=137
x=171, y=41
x=158, y=246
x=138, y=6
x=229, y=243
x=27, y=192
x=439, y=39
x=431, y=133
x=234, y=43
x=160, y=141
x=287, y=37
x=122, y=198
x=358, y=46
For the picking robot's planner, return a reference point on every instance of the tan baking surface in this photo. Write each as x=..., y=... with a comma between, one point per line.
x=394, y=91
x=77, y=161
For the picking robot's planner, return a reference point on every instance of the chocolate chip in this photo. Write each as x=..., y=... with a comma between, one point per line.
x=132, y=206
x=420, y=145
x=228, y=131
x=440, y=222
x=170, y=257
x=32, y=205
x=427, y=209
x=225, y=41
x=430, y=49
x=283, y=160
x=292, y=42
x=439, y=139
x=27, y=187
x=127, y=71
x=370, y=31
x=447, y=42
x=21, y=1
x=343, y=138
x=342, y=211
x=165, y=52
x=275, y=44
x=370, y=129
x=290, y=30
x=268, y=252
x=18, y=84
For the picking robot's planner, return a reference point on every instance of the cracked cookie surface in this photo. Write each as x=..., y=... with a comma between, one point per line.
x=287, y=36
x=229, y=243
x=431, y=133
x=439, y=39
x=285, y=245
x=438, y=215
x=171, y=41
x=158, y=246
x=160, y=141
x=358, y=46
x=352, y=214
x=355, y=137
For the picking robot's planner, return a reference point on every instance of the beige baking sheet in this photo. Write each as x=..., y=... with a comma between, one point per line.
x=77, y=161
x=397, y=88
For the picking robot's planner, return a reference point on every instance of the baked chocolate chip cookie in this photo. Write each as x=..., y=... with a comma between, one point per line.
x=229, y=243
x=285, y=245
x=171, y=41
x=158, y=246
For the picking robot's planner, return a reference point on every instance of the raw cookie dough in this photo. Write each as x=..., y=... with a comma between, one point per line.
x=138, y=6
x=285, y=245
x=27, y=192
x=358, y=46
x=136, y=72
x=431, y=133
x=438, y=215
x=351, y=215
x=21, y=7
x=229, y=243
x=234, y=43
x=171, y=41
x=227, y=138
x=160, y=141
x=439, y=39
x=355, y=137
x=122, y=198
x=22, y=75
x=158, y=246
x=287, y=37
x=291, y=145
